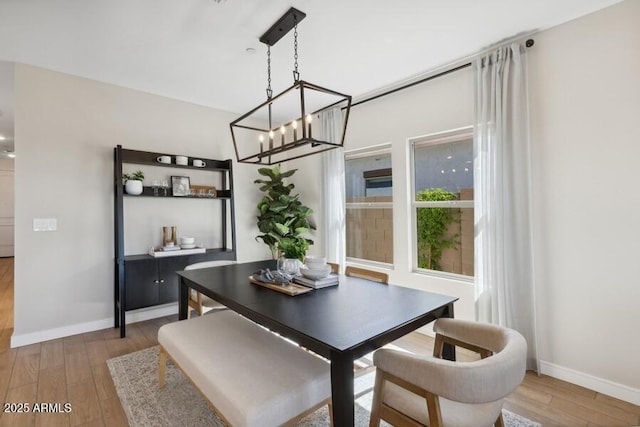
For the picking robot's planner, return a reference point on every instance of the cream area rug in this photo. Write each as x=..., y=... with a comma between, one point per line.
x=135, y=376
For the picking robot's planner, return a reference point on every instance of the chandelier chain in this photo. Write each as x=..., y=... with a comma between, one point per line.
x=296, y=74
x=269, y=91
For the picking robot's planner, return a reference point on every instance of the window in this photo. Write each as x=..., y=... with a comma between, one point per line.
x=443, y=202
x=369, y=227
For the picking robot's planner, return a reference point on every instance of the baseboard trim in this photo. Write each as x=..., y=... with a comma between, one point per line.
x=132, y=316
x=143, y=314
x=610, y=388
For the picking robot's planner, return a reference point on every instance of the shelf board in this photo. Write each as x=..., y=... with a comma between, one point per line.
x=148, y=192
x=138, y=257
x=149, y=158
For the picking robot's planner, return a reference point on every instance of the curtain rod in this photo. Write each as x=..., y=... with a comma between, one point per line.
x=528, y=43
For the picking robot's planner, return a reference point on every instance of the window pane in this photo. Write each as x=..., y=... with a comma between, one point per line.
x=443, y=172
x=448, y=166
x=369, y=227
x=445, y=239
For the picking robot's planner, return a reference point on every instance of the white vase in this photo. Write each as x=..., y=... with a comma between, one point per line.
x=133, y=187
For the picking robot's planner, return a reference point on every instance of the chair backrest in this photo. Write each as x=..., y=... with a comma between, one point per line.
x=207, y=264
x=335, y=268
x=501, y=368
x=363, y=273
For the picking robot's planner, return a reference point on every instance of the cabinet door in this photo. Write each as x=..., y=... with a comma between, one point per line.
x=141, y=283
x=169, y=280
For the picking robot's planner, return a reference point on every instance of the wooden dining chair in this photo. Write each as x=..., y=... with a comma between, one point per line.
x=363, y=273
x=430, y=391
x=202, y=303
x=335, y=268
x=364, y=364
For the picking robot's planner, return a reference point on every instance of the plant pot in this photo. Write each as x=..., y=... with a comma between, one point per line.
x=133, y=187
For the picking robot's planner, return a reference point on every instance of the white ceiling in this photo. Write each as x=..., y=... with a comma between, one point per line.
x=195, y=50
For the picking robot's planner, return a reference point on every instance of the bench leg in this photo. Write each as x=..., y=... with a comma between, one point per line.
x=162, y=369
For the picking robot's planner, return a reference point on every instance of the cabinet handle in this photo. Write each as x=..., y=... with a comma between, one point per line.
x=156, y=282
x=161, y=280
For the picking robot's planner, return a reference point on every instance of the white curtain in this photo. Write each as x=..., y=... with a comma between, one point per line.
x=333, y=189
x=505, y=293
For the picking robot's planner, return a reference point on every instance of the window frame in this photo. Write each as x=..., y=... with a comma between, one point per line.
x=445, y=137
x=381, y=149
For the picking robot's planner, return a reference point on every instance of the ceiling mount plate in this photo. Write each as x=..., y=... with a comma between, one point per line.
x=282, y=26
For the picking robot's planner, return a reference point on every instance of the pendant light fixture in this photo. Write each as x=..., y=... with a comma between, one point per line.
x=286, y=126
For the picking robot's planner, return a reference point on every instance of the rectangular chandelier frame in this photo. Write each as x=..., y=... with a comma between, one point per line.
x=273, y=151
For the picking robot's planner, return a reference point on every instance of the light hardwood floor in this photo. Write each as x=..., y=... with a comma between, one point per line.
x=74, y=370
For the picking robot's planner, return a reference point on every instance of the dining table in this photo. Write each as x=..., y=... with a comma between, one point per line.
x=340, y=323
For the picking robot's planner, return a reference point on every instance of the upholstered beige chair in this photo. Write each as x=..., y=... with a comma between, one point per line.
x=202, y=303
x=415, y=390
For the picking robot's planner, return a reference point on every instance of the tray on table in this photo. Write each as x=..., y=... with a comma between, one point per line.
x=291, y=288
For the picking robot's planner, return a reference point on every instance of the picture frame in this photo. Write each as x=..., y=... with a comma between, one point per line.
x=180, y=185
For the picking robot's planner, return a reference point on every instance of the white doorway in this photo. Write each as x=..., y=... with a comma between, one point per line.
x=7, y=201
x=7, y=220
x=7, y=155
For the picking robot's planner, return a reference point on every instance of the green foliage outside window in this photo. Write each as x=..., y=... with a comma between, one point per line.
x=433, y=227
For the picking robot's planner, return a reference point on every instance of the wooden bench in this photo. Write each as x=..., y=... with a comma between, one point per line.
x=250, y=376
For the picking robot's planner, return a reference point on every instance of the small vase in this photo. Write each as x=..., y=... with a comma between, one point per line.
x=133, y=187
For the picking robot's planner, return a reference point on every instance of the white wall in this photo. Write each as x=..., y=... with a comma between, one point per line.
x=585, y=105
x=66, y=128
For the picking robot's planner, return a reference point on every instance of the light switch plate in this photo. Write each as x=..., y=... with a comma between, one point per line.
x=45, y=224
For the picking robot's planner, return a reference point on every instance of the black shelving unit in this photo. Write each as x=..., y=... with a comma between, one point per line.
x=142, y=280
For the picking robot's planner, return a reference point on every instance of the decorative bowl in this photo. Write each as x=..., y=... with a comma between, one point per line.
x=316, y=273
x=187, y=240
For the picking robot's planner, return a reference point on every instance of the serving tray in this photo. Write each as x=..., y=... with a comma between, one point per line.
x=291, y=289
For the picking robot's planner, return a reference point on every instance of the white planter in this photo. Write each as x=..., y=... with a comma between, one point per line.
x=133, y=186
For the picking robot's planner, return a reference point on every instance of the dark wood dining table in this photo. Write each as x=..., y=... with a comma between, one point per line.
x=341, y=323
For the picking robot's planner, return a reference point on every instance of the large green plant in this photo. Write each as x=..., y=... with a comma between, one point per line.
x=282, y=218
x=433, y=227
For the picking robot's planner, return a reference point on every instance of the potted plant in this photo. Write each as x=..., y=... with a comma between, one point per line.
x=133, y=182
x=283, y=220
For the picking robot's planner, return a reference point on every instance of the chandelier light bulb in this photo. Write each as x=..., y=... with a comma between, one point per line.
x=309, y=124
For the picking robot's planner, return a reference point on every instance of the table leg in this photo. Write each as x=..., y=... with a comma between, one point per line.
x=183, y=300
x=448, y=350
x=342, y=389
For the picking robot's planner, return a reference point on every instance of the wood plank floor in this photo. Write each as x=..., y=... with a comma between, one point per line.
x=73, y=370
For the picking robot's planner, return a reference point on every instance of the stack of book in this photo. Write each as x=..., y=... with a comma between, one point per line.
x=330, y=280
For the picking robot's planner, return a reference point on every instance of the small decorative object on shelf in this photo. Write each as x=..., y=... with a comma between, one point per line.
x=166, y=236
x=180, y=185
x=133, y=182
x=207, y=191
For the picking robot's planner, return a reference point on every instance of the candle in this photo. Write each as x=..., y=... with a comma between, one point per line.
x=261, y=143
x=309, y=123
x=294, y=125
x=282, y=130
x=270, y=139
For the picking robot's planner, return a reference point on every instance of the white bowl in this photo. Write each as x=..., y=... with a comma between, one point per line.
x=187, y=240
x=315, y=261
x=316, y=273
